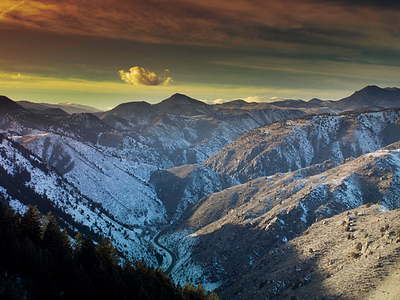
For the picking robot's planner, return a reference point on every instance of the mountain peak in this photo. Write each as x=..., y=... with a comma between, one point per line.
x=315, y=101
x=179, y=95
x=371, y=95
x=179, y=104
x=9, y=105
x=181, y=98
x=370, y=88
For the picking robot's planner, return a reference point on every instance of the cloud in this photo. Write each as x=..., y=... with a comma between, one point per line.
x=142, y=76
x=11, y=8
x=220, y=101
x=262, y=99
x=14, y=76
x=301, y=25
x=19, y=76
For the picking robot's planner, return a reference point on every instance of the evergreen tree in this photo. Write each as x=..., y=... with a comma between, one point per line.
x=30, y=224
x=50, y=268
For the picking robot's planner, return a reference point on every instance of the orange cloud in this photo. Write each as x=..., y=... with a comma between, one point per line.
x=11, y=8
x=270, y=24
x=142, y=76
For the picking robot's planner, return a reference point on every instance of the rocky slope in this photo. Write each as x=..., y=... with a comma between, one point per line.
x=291, y=145
x=330, y=261
x=229, y=232
x=182, y=187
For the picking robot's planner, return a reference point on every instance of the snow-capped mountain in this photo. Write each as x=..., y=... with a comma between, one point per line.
x=185, y=130
x=162, y=181
x=25, y=179
x=112, y=168
x=229, y=232
x=298, y=143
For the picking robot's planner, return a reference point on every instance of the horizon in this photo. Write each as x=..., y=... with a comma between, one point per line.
x=102, y=55
x=215, y=102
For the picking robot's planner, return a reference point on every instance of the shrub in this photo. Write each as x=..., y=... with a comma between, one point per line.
x=354, y=255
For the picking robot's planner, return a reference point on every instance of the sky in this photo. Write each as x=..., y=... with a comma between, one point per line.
x=103, y=53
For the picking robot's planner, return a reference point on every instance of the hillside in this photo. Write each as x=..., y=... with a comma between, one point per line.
x=39, y=261
x=330, y=262
x=227, y=232
x=26, y=179
x=181, y=187
x=298, y=143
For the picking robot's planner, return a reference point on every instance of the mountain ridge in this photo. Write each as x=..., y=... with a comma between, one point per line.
x=173, y=173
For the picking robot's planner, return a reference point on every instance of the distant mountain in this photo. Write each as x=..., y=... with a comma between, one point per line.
x=7, y=104
x=179, y=104
x=371, y=96
x=52, y=111
x=129, y=110
x=70, y=108
x=186, y=130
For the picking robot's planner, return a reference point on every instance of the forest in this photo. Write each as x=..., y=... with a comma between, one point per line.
x=38, y=260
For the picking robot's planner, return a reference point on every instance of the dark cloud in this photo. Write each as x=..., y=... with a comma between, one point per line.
x=222, y=23
x=389, y=4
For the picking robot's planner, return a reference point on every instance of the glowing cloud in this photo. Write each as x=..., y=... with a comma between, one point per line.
x=142, y=76
x=19, y=76
x=262, y=99
x=10, y=9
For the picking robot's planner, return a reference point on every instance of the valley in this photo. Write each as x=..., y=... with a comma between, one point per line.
x=252, y=200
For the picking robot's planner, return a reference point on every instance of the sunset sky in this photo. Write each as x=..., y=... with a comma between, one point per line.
x=103, y=53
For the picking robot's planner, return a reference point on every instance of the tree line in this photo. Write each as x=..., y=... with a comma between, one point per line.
x=38, y=260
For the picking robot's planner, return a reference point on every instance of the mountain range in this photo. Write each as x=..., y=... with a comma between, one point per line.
x=221, y=194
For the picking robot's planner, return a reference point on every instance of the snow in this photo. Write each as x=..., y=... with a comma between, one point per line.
x=119, y=185
x=305, y=212
x=185, y=269
x=67, y=198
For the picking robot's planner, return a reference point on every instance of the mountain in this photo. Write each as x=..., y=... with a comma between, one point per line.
x=14, y=118
x=367, y=99
x=232, y=234
x=212, y=193
x=181, y=187
x=179, y=104
x=329, y=262
x=67, y=107
x=185, y=130
x=7, y=104
x=371, y=95
x=26, y=179
x=298, y=143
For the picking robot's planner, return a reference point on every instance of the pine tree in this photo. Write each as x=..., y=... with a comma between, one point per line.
x=55, y=240
x=30, y=224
